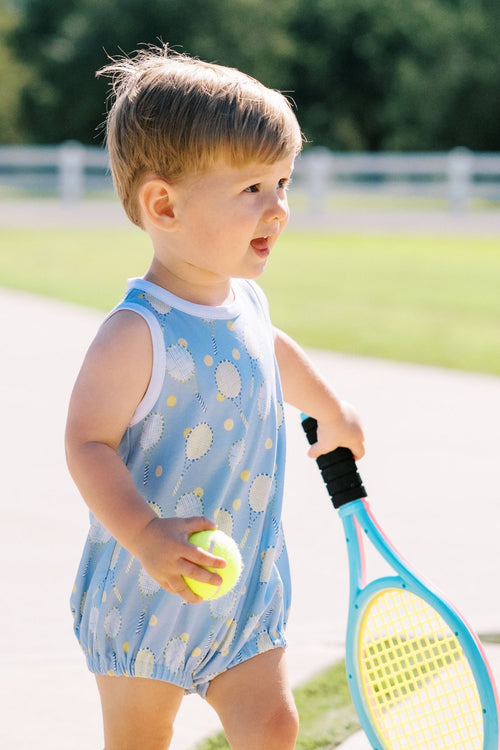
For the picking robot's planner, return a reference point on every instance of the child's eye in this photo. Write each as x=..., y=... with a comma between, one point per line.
x=283, y=184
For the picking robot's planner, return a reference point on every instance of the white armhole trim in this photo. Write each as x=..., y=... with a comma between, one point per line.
x=159, y=360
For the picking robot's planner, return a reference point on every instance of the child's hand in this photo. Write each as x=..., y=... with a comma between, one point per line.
x=345, y=431
x=167, y=555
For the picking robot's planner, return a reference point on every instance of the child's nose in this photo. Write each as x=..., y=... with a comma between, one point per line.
x=278, y=211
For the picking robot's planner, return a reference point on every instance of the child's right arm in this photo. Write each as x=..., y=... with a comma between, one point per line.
x=112, y=381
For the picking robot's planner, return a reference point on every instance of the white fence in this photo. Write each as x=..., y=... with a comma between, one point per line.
x=73, y=171
x=458, y=176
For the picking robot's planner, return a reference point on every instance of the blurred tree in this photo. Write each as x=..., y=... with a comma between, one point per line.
x=446, y=91
x=366, y=74
x=13, y=76
x=388, y=74
x=68, y=41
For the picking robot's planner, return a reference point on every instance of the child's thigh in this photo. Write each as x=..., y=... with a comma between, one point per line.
x=138, y=712
x=255, y=703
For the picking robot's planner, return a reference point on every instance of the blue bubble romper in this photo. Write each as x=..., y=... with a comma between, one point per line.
x=208, y=439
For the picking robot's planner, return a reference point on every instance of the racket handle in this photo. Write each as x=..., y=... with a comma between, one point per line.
x=338, y=469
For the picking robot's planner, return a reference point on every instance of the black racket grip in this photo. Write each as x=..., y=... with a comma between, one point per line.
x=338, y=469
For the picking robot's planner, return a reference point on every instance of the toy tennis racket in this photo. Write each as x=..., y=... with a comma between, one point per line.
x=417, y=673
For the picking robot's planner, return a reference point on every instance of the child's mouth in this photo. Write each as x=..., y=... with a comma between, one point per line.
x=261, y=245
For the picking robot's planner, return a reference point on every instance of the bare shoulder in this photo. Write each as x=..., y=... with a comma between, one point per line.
x=124, y=330
x=123, y=349
x=114, y=376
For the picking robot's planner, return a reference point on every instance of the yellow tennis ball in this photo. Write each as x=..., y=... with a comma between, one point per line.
x=220, y=544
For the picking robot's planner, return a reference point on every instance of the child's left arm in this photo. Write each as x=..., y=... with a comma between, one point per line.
x=304, y=388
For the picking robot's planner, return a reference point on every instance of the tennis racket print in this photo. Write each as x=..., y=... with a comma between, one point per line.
x=418, y=676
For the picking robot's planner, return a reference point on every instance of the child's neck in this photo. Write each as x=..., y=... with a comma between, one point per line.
x=199, y=294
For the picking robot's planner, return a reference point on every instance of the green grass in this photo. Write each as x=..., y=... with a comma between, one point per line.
x=416, y=299
x=327, y=715
x=88, y=267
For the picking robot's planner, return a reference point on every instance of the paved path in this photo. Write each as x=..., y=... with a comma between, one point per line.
x=433, y=445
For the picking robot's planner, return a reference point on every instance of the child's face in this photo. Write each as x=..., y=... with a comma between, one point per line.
x=228, y=221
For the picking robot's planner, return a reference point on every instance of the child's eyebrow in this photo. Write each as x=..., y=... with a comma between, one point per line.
x=254, y=175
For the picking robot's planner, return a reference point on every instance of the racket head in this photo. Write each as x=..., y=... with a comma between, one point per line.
x=417, y=674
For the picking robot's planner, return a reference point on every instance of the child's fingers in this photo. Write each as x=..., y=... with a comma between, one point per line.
x=346, y=431
x=198, y=555
x=189, y=596
x=317, y=450
x=197, y=523
x=181, y=588
x=314, y=451
x=199, y=573
x=357, y=450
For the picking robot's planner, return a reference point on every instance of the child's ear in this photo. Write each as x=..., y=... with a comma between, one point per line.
x=155, y=198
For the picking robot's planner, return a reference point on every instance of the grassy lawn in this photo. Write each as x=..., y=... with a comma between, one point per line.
x=416, y=299
x=89, y=267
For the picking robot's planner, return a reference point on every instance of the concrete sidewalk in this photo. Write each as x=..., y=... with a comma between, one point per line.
x=433, y=439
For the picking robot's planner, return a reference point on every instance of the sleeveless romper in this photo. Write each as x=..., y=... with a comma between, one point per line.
x=207, y=439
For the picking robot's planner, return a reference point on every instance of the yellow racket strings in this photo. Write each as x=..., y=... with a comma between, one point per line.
x=418, y=684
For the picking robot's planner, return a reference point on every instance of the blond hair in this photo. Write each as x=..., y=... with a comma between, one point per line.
x=174, y=115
